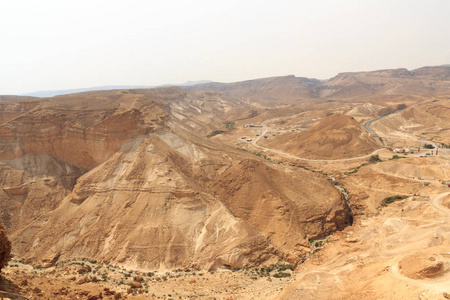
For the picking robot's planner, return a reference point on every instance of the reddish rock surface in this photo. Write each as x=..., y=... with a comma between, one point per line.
x=5, y=247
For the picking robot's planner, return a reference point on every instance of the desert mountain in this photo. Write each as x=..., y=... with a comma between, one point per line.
x=272, y=88
x=422, y=81
x=352, y=85
x=274, y=200
x=335, y=136
x=128, y=177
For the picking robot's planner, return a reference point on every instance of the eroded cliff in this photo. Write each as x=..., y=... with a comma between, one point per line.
x=5, y=247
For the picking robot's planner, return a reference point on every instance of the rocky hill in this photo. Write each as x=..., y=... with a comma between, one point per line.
x=273, y=88
x=333, y=137
x=128, y=177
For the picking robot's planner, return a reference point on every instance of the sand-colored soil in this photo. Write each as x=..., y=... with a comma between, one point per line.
x=336, y=136
x=419, y=266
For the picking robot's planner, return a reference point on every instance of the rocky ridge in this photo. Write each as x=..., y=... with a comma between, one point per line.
x=425, y=81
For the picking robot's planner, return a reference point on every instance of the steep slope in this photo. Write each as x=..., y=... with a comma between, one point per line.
x=86, y=129
x=12, y=109
x=5, y=247
x=149, y=206
x=143, y=207
x=84, y=135
x=288, y=207
x=127, y=177
x=335, y=136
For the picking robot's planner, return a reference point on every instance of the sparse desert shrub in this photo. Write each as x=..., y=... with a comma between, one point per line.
x=356, y=169
x=374, y=158
x=392, y=199
x=281, y=275
x=285, y=267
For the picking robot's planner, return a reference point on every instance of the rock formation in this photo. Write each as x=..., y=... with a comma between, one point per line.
x=5, y=247
x=420, y=266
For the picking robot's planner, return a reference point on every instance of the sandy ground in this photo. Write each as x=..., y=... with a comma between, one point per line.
x=77, y=279
x=363, y=261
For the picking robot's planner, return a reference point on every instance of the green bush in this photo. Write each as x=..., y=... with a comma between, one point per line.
x=281, y=275
x=374, y=158
x=392, y=199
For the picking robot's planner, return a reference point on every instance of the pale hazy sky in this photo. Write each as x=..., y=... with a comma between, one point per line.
x=47, y=45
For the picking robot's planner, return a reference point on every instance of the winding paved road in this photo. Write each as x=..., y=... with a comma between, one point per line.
x=367, y=124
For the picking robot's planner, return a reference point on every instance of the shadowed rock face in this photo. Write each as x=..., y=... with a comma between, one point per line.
x=5, y=247
x=288, y=208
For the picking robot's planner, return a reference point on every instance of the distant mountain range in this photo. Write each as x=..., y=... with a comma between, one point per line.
x=350, y=85
x=426, y=81
x=51, y=93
